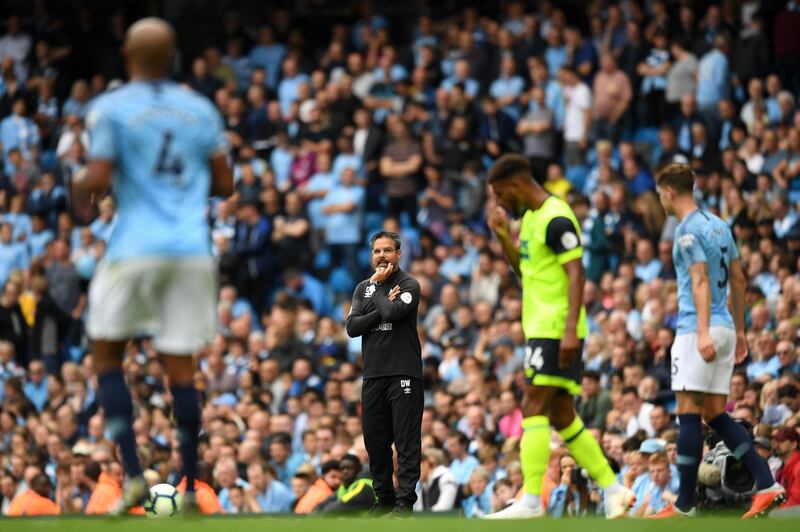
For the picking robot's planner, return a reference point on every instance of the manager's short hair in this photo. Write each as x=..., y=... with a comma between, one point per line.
x=386, y=234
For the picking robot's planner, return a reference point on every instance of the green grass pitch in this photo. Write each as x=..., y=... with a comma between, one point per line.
x=417, y=524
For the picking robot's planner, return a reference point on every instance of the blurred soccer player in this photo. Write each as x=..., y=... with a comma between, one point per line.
x=708, y=341
x=548, y=261
x=162, y=149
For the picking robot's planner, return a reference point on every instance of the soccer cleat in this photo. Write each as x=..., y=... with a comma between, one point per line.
x=189, y=506
x=380, y=510
x=670, y=511
x=401, y=511
x=135, y=493
x=765, y=501
x=517, y=511
x=618, y=502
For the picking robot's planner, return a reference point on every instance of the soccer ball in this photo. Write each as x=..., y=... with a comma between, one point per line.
x=165, y=501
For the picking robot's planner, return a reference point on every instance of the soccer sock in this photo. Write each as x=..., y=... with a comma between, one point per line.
x=534, y=453
x=187, y=415
x=587, y=453
x=690, y=452
x=741, y=445
x=116, y=402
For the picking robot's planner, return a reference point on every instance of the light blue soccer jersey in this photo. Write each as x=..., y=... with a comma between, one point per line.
x=160, y=137
x=703, y=237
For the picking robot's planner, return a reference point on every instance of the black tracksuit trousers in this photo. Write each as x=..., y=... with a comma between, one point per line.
x=391, y=412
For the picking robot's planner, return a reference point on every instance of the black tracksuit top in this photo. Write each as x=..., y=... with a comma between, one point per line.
x=390, y=342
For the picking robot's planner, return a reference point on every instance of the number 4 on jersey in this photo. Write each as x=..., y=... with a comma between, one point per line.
x=169, y=163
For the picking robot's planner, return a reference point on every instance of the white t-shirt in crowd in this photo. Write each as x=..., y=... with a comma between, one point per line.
x=578, y=99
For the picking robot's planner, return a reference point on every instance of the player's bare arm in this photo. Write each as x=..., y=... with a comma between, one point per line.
x=221, y=175
x=701, y=292
x=570, y=344
x=737, y=283
x=94, y=178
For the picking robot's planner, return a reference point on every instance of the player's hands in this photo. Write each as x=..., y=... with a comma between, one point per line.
x=569, y=349
x=382, y=273
x=496, y=216
x=741, y=347
x=706, y=347
x=394, y=292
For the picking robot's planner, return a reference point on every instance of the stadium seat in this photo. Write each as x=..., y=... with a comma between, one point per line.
x=322, y=260
x=340, y=281
x=577, y=176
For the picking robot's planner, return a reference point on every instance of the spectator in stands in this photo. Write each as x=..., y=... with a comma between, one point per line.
x=77, y=103
x=461, y=76
x=478, y=502
x=682, y=76
x=18, y=131
x=355, y=494
x=571, y=496
x=537, y=130
x=34, y=500
x=342, y=207
x=595, y=403
x=612, y=96
x=786, y=440
x=713, y=80
x=659, y=489
x=438, y=489
x=636, y=412
x=268, y=54
x=266, y=494
x=289, y=86
x=400, y=163
x=329, y=481
x=577, y=117
x=463, y=463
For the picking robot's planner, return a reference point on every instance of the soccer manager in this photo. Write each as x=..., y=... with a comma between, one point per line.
x=384, y=312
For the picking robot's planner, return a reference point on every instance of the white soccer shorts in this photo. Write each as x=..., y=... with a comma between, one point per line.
x=171, y=299
x=690, y=373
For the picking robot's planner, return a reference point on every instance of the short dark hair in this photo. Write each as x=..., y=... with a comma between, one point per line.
x=92, y=470
x=304, y=476
x=330, y=465
x=591, y=375
x=679, y=176
x=350, y=458
x=282, y=438
x=386, y=234
x=461, y=437
x=788, y=390
x=509, y=165
x=630, y=389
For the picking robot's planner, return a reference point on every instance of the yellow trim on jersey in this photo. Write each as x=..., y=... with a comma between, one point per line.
x=572, y=387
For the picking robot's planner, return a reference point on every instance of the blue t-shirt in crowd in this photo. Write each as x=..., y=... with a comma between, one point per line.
x=344, y=227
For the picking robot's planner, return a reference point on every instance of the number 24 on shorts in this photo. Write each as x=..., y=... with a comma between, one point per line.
x=533, y=358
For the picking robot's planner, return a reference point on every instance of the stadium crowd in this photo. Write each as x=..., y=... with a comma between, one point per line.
x=390, y=121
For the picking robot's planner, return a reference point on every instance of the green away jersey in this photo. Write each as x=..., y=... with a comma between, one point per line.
x=549, y=238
